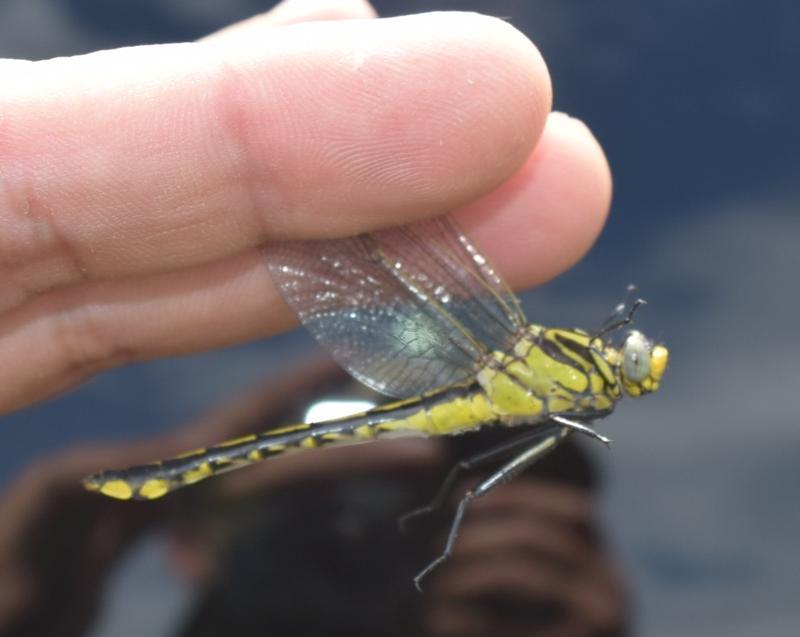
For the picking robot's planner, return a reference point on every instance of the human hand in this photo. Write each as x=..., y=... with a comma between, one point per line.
x=136, y=185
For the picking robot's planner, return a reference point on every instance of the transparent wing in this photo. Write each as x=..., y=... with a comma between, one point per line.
x=403, y=310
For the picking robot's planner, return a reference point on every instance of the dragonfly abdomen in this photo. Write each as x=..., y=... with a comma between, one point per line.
x=455, y=409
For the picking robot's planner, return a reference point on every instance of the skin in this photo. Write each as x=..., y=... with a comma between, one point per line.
x=136, y=185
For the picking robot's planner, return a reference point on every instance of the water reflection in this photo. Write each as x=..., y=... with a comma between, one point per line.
x=309, y=544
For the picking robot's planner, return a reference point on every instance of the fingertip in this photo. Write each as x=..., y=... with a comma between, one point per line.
x=547, y=216
x=290, y=11
x=581, y=157
x=480, y=93
x=393, y=120
x=576, y=134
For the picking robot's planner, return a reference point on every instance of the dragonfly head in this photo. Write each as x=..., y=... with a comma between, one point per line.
x=641, y=364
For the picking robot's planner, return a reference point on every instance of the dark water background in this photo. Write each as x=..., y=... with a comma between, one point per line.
x=696, y=105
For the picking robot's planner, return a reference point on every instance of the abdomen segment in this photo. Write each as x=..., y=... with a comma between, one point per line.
x=451, y=410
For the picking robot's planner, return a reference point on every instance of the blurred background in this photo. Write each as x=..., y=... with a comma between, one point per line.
x=695, y=104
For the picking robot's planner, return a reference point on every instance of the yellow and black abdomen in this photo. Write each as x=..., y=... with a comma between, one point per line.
x=451, y=410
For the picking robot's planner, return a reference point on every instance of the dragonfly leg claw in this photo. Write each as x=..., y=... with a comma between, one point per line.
x=451, y=537
x=581, y=428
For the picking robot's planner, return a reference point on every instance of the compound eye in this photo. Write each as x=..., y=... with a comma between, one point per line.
x=636, y=357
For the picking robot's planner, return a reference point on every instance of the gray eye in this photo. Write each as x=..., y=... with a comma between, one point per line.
x=636, y=357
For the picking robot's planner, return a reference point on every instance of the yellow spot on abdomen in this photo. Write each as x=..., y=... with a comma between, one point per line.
x=200, y=472
x=118, y=489
x=154, y=488
x=308, y=443
x=365, y=432
x=287, y=429
x=460, y=414
x=237, y=441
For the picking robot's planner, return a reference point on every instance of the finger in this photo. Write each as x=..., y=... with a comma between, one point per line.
x=67, y=335
x=193, y=153
x=293, y=12
x=553, y=208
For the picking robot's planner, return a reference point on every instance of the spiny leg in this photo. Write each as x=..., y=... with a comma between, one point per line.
x=469, y=464
x=493, y=454
x=581, y=428
x=508, y=471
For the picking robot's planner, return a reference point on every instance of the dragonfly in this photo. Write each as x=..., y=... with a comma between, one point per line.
x=419, y=314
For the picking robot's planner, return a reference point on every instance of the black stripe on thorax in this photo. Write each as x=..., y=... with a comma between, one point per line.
x=554, y=351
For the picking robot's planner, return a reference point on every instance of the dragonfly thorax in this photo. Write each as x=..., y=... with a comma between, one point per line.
x=551, y=371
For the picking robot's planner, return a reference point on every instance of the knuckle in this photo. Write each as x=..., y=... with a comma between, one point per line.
x=84, y=341
x=35, y=255
x=239, y=114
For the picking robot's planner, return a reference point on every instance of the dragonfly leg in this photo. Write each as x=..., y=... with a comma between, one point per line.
x=508, y=471
x=581, y=428
x=469, y=464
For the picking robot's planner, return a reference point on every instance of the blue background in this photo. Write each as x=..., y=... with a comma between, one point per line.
x=696, y=106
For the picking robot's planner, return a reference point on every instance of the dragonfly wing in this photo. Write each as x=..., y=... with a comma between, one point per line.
x=438, y=258
x=403, y=310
